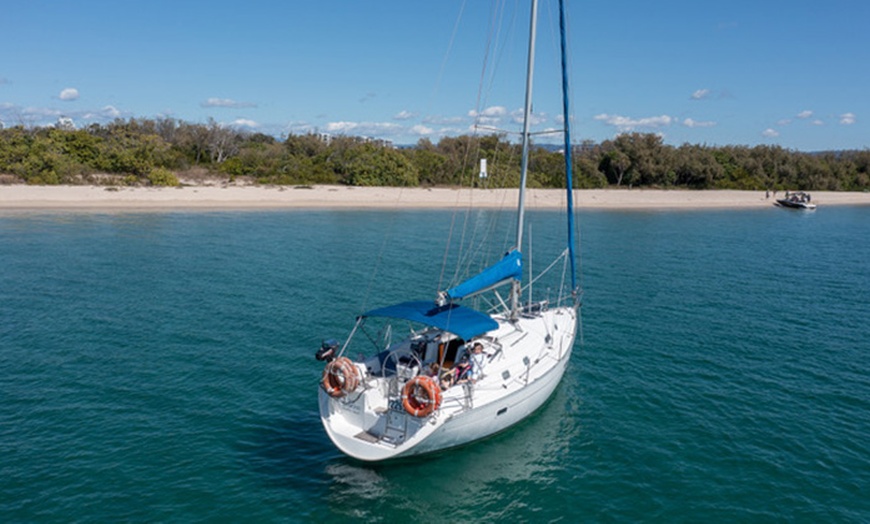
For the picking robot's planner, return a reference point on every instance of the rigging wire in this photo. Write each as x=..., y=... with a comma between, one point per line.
x=468, y=232
x=450, y=43
x=472, y=150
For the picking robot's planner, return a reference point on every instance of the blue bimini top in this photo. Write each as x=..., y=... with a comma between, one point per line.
x=462, y=321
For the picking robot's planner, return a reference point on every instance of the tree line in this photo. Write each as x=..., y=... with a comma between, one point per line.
x=146, y=151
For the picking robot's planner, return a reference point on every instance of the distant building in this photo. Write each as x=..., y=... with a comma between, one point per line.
x=326, y=138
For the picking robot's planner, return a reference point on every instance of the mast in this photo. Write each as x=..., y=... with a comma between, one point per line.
x=521, y=211
x=569, y=166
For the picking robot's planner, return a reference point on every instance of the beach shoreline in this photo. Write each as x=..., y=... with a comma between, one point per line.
x=220, y=197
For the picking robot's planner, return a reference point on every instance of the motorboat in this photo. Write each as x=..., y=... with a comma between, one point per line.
x=796, y=200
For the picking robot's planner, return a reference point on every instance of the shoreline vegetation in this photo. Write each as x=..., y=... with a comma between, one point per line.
x=168, y=152
x=167, y=163
x=252, y=197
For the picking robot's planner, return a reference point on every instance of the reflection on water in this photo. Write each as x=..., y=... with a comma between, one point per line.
x=352, y=481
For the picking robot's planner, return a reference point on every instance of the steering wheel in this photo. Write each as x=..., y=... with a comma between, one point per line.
x=396, y=357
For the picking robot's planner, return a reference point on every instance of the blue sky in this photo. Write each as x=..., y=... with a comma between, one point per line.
x=791, y=73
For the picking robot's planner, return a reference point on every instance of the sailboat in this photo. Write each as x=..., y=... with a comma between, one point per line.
x=459, y=374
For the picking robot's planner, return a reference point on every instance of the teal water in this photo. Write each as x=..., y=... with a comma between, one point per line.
x=159, y=367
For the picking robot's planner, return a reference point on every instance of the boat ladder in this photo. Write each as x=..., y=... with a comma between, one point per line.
x=396, y=426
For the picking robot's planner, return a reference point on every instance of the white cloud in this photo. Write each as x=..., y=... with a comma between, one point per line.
x=46, y=116
x=770, y=133
x=244, y=122
x=225, y=102
x=806, y=113
x=110, y=111
x=700, y=94
x=443, y=120
x=783, y=122
x=493, y=111
x=624, y=123
x=847, y=119
x=404, y=115
x=693, y=123
x=341, y=127
x=37, y=112
x=300, y=128
x=490, y=115
x=493, y=116
x=70, y=93
x=535, y=119
x=106, y=113
x=421, y=130
x=818, y=122
x=364, y=128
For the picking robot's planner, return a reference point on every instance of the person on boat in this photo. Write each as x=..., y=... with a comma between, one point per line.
x=478, y=357
x=442, y=377
x=461, y=371
x=470, y=369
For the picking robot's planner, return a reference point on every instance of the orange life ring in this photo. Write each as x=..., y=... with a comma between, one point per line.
x=421, y=396
x=340, y=377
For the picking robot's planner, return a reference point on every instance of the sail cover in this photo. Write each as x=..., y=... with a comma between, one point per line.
x=462, y=321
x=509, y=267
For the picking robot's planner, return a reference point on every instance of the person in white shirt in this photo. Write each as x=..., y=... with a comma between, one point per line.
x=478, y=357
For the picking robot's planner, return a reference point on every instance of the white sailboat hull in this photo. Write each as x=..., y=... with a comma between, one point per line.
x=487, y=420
x=527, y=362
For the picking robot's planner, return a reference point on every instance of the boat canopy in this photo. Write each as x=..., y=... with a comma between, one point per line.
x=508, y=268
x=462, y=321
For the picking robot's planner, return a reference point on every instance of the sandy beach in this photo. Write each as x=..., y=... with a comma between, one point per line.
x=96, y=198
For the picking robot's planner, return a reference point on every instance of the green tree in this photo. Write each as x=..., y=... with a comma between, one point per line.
x=160, y=176
x=546, y=168
x=431, y=166
x=372, y=165
x=615, y=164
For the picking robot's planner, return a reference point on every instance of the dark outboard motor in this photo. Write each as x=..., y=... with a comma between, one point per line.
x=327, y=350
